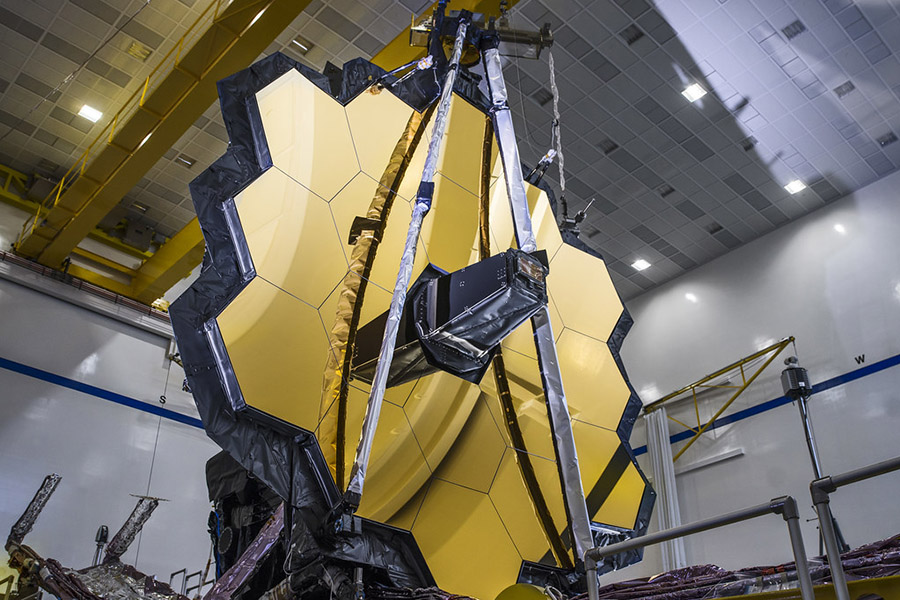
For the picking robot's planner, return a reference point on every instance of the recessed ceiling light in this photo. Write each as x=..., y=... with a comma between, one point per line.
x=691, y=297
x=185, y=160
x=90, y=113
x=795, y=186
x=542, y=96
x=302, y=45
x=640, y=264
x=693, y=92
x=139, y=50
x=840, y=228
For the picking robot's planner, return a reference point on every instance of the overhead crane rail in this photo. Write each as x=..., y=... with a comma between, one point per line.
x=225, y=37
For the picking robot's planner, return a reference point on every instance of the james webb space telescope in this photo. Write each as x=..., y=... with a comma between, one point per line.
x=455, y=321
x=432, y=411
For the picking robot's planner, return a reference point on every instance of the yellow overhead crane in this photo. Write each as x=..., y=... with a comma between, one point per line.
x=227, y=36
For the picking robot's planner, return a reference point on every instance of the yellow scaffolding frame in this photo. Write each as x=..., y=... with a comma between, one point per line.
x=769, y=353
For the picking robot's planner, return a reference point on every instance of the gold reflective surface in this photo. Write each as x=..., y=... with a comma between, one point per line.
x=466, y=544
x=297, y=114
x=443, y=464
x=277, y=346
x=594, y=389
x=576, y=276
x=292, y=237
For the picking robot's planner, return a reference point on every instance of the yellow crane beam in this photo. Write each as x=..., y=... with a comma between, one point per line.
x=181, y=254
x=169, y=265
x=226, y=37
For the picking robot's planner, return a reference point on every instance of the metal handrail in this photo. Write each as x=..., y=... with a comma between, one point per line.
x=184, y=584
x=786, y=506
x=819, y=491
x=172, y=576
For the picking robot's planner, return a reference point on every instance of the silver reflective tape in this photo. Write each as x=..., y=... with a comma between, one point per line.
x=557, y=408
x=125, y=536
x=379, y=381
x=509, y=152
x=389, y=342
x=440, y=119
x=23, y=526
x=563, y=437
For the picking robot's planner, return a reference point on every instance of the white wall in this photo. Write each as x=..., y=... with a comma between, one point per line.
x=104, y=451
x=839, y=295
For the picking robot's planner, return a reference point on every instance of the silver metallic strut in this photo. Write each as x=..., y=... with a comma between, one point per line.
x=544, y=341
x=423, y=204
x=133, y=525
x=21, y=527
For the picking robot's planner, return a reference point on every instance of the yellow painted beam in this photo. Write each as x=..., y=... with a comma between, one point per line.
x=13, y=192
x=103, y=261
x=171, y=263
x=224, y=39
x=114, y=242
x=99, y=280
x=177, y=257
x=399, y=52
x=12, y=189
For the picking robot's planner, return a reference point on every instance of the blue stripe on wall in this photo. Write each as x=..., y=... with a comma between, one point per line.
x=776, y=402
x=84, y=388
x=153, y=409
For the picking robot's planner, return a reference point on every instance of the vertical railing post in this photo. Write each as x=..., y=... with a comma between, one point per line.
x=819, y=490
x=791, y=516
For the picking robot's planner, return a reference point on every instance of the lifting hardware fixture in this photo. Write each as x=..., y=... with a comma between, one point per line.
x=747, y=376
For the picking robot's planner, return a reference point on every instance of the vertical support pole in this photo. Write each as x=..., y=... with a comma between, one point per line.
x=810, y=437
x=593, y=580
x=819, y=491
x=353, y=495
x=545, y=344
x=791, y=516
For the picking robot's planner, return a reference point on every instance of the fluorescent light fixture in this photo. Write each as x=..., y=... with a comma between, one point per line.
x=144, y=141
x=640, y=264
x=840, y=228
x=691, y=297
x=693, y=92
x=256, y=18
x=90, y=113
x=185, y=160
x=302, y=45
x=139, y=50
x=795, y=186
